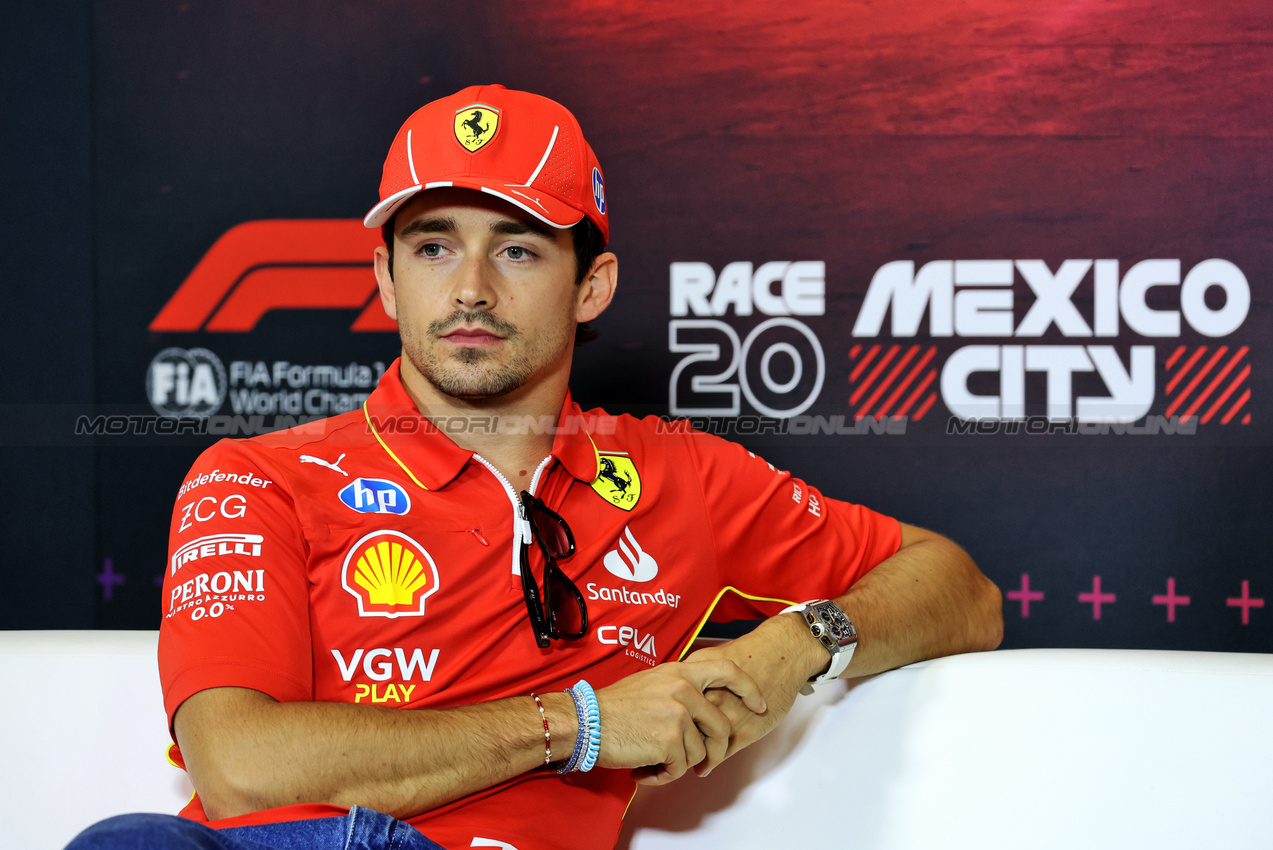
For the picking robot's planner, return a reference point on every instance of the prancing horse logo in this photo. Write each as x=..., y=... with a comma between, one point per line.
x=475, y=126
x=608, y=472
x=618, y=481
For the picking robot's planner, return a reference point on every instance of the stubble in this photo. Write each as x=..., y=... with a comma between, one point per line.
x=475, y=373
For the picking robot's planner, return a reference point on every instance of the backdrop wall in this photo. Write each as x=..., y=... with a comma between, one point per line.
x=1000, y=272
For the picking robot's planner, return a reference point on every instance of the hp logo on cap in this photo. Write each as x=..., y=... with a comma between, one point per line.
x=598, y=191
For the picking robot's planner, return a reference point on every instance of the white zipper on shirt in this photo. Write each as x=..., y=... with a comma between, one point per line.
x=521, y=525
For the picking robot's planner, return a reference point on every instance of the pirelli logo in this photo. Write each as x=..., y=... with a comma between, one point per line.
x=216, y=545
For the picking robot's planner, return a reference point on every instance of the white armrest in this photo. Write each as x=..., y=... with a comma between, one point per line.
x=1014, y=749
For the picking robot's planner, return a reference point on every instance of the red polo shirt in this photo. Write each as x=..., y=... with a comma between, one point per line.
x=367, y=558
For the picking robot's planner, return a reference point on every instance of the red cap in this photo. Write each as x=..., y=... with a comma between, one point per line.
x=518, y=146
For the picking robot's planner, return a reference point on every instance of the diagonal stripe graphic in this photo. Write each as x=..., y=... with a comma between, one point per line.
x=1237, y=382
x=1236, y=407
x=857, y=370
x=1171, y=385
x=906, y=382
x=1175, y=355
x=890, y=378
x=1197, y=379
x=906, y=405
x=875, y=373
x=1228, y=367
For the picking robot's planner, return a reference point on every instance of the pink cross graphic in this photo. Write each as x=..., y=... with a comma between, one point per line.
x=1245, y=602
x=108, y=578
x=1096, y=597
x=1025, y=594
x=1171, y=600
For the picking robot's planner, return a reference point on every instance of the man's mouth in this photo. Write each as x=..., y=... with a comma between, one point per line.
x=473, y=336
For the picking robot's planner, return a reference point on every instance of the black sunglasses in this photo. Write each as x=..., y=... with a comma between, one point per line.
x=559, y=612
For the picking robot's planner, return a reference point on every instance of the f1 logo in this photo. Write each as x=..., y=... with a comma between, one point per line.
x=283, y=264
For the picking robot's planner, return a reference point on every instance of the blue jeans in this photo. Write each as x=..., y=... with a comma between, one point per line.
x=361, y=829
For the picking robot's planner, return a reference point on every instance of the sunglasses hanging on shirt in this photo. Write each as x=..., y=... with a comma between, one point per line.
x=557, y=611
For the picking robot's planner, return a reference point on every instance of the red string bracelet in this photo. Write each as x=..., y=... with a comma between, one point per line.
x=548, y=738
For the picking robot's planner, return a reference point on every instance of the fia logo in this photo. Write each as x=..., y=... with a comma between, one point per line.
x=181, y=383
x=630, y=561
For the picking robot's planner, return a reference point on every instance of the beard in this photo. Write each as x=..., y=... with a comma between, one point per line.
x=475, y=373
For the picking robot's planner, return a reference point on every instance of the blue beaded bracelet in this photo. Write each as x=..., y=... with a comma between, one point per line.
x=580, y=739
x=592, y=713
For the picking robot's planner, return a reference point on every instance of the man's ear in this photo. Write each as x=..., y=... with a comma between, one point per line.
x=388, y=295
x=597, y=289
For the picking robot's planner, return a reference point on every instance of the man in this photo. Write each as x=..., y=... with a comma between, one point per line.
x=438, y=610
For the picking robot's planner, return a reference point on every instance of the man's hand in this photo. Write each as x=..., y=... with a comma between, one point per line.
x=781, y=657
x=659, y=723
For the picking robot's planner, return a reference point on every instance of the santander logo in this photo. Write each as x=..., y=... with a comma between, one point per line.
x=630, y=561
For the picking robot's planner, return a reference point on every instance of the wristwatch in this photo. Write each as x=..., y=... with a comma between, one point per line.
x=834, y=630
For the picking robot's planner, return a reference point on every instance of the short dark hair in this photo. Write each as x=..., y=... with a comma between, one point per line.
x=588, y=244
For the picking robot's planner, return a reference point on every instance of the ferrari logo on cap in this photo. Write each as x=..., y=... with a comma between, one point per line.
x=475, y=125
x=618, y=482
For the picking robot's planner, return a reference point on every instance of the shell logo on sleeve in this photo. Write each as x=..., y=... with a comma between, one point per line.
x=390, y=575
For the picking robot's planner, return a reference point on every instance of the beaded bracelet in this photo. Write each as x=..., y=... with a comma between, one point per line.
x=580, y=739
x=548, y=738
x=592, y=713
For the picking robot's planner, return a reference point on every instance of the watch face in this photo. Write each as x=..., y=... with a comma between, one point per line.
x=837, y=624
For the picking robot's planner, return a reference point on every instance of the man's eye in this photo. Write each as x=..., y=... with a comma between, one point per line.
x=517, y=252
x=431, y=250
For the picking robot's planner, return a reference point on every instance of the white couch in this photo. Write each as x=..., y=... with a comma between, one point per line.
x=1015, y=749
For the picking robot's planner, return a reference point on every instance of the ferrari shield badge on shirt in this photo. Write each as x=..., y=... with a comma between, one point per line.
x=618, y=482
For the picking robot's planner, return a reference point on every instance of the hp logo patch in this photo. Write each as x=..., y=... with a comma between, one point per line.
x=375, y=496
x=598, y=191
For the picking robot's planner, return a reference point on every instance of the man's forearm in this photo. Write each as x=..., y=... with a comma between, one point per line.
x=247, y=752
x=927, y=600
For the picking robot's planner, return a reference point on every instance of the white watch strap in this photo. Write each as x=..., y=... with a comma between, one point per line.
x=839, y=660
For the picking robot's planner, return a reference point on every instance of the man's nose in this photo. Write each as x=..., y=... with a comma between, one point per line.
x=474, y=289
